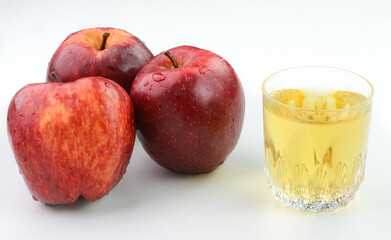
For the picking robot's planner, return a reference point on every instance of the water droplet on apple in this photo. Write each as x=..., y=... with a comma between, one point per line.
x=158, y=77
x=145, y=84
x=159, y=107
x=107, y=84
x=204, y=70
x=20, y=115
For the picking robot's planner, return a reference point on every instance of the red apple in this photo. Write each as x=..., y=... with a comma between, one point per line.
x=107, y=52
x=189, y=108
x=73, y=139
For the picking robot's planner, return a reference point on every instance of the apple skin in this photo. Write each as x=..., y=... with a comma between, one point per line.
x=189, y=118
x=79, y=56
x=73, y=139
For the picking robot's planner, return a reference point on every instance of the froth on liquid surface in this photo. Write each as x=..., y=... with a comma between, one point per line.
x=317, y=100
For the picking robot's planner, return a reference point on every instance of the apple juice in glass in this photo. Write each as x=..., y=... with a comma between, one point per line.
x=316, y=123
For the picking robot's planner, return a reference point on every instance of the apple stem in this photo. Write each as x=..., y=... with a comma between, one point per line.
x=55, y=77
x=169, y=55
x=105, y=36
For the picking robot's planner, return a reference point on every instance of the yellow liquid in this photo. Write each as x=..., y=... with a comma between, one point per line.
x=315, y=155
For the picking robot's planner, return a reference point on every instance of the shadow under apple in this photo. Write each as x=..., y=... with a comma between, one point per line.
x=146, y=184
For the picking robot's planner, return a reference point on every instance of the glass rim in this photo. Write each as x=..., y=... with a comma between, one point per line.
x=368, y=100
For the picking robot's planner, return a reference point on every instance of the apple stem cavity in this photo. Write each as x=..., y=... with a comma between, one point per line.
x=169, y=55
x=55, y=77
x=105, y=36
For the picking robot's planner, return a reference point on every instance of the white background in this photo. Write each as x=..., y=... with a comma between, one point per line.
x=234, y=202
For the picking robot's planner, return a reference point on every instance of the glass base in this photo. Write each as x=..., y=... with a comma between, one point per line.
x=314, y=206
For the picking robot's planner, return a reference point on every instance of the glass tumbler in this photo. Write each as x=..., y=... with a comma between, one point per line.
x=316, y=123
